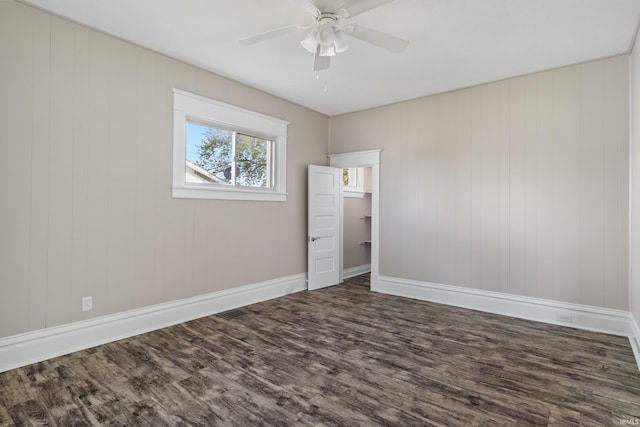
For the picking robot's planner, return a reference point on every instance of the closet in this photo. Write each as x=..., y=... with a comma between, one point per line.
x=356, y=221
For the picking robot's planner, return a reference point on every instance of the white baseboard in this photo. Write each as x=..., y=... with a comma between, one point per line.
x=32, y=347
x=634, y=337
x=615, y=322
x=356, y=271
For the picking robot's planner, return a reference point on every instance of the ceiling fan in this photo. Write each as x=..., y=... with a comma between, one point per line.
x=328, y=36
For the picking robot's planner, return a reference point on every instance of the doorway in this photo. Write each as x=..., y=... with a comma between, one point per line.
x=363, y=159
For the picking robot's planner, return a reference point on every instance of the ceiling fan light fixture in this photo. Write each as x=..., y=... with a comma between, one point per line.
x=325, y=40
x=341, y=42
x=325, y=36
x=310, y=43
x=327, y=50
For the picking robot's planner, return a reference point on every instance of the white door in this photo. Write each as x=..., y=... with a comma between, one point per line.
x=323, y=230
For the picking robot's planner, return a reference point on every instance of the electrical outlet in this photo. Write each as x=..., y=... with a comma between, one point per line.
x=566, y=318
x=87, y=303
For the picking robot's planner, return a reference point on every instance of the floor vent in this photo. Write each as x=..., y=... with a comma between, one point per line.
x=231, y=314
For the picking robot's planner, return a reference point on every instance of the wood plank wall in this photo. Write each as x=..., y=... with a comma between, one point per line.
x=519, y=186
x=85, y=175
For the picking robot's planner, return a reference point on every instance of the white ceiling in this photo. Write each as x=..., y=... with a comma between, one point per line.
x=454, y=43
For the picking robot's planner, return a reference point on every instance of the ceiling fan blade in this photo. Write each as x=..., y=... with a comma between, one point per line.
x=353, y=8
x=310, y=7
x=321, y=62
x=271, y=34
x=380, y=39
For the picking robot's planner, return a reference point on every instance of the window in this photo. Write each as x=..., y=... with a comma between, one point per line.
x=211, y=152
x=353, y=182
x=225, y=152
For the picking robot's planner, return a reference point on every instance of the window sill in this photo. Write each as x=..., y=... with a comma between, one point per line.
x=188, y=192
x=354, y=194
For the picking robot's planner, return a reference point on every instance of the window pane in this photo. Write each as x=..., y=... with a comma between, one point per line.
x=209, y=154
x=252, y=161
x=350, y=177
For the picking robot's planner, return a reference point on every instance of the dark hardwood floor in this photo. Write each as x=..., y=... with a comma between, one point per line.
x=338, y=356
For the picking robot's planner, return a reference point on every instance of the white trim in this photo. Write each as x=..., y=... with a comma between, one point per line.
x=31, y=347
x=356, y=158
x=356, y=271
x=353, y=194
x=634, y=338
x=203, y=191
x=369, y=158
x=615, y=322
x=189, y=106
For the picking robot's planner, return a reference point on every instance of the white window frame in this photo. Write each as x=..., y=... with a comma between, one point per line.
x=191, y=107
x=357, y=190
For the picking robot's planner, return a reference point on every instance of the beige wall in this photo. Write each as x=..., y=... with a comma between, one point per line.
x=519, y=186
x=85, y=175
x=634, y=256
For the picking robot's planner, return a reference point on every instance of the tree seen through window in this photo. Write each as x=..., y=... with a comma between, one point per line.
x=212, y=150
